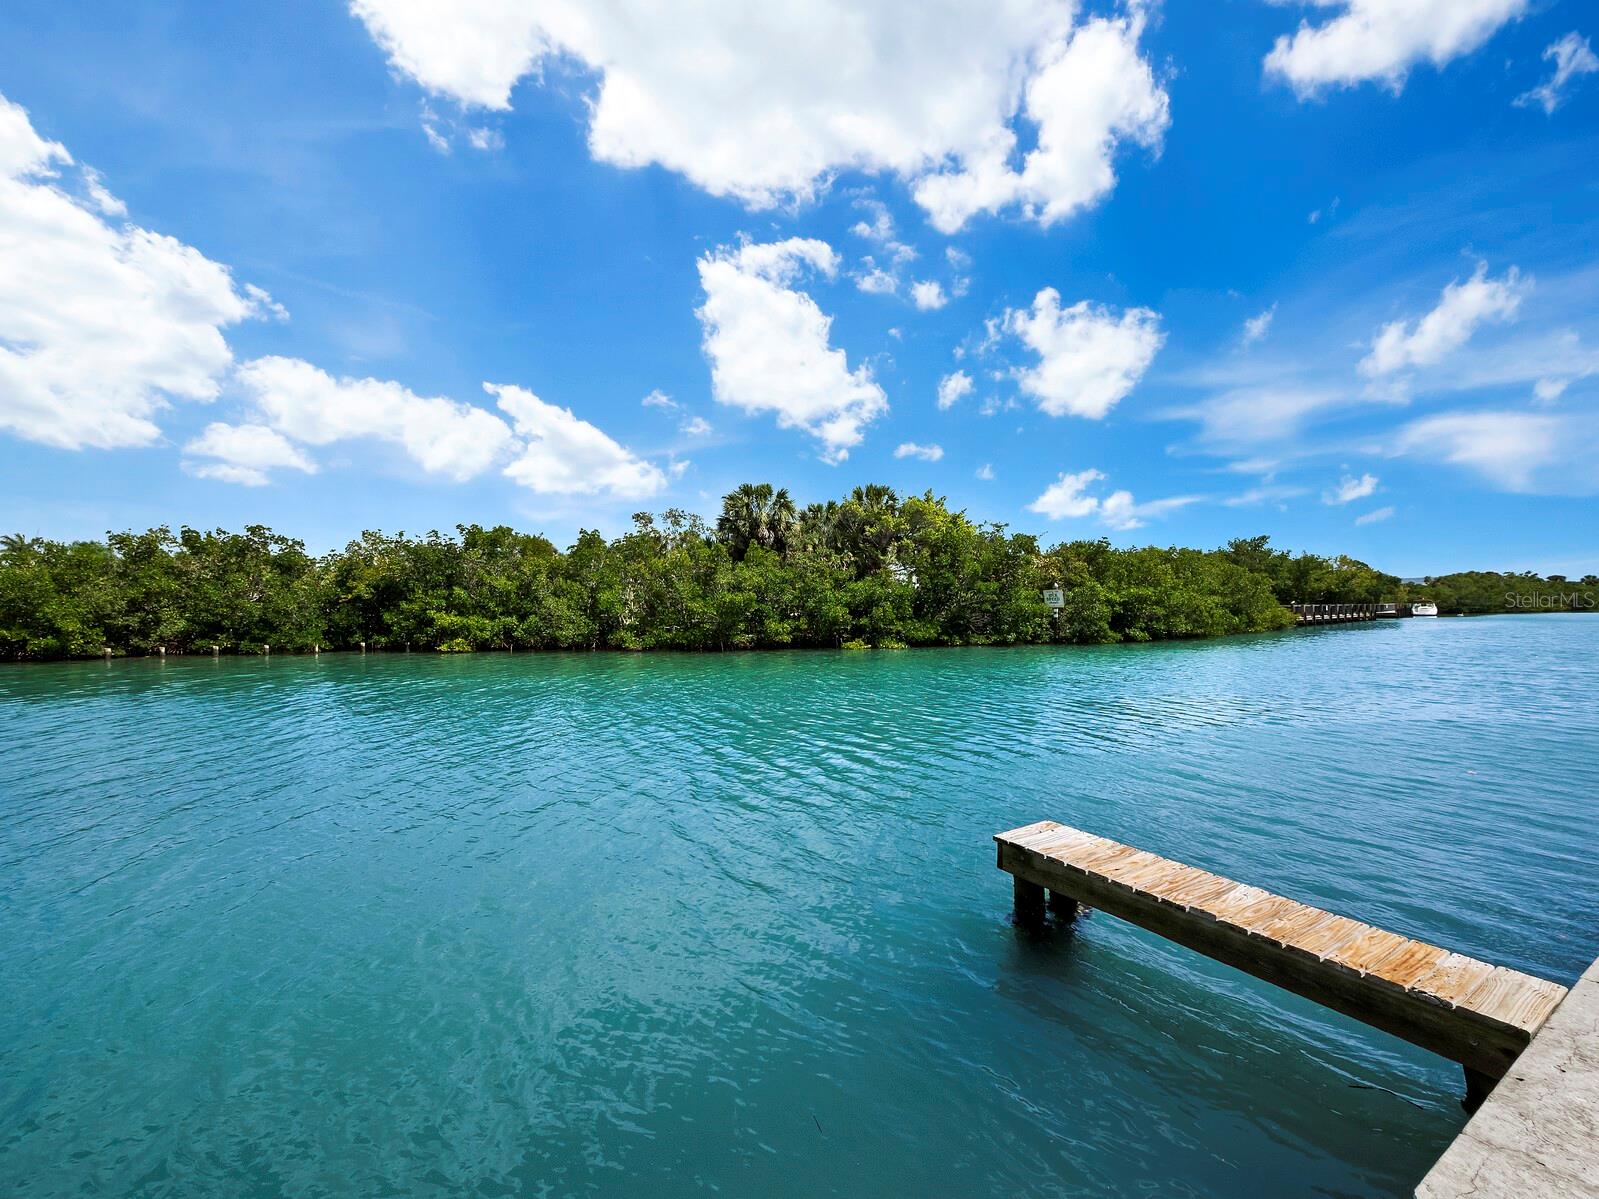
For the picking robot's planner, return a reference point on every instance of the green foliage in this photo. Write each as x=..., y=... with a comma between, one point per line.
x=1476, y=592
x=871, y=570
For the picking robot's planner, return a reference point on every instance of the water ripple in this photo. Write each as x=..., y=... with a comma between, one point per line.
x=618, y=925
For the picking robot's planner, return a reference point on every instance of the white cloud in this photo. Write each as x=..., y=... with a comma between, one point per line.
x=1270, y=493
x=659, y=399
x=952, y=388
x=1350, y=489
x=1508, y=448
x=1382, y=39
x=485, y=139
x=1256, y=326
x=1572, y=56
x=1091, y=92
x=880, y=229
x=243, y=454
x=985, y=472
x=551, y=450
x=307, y=404
x=768, y=344
x=101, y=325
x=766, y=102
x=927, y=453
x=1119, y=511
x=1463, y=306
x=928, y=294
x=1089, y=359
x=22, y=151
x=108, y=205
x=1067, y=499
x=874, y=280
x=695, y=426
x=1375, y=516
x=563, y=455
x=1547, y=391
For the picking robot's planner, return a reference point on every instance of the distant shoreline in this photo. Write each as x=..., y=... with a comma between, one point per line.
x=872, y=569
x=665, y=651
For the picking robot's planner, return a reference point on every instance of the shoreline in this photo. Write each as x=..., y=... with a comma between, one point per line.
x=627, y=651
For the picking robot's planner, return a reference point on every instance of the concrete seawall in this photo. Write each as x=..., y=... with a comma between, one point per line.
x=1537, y=1136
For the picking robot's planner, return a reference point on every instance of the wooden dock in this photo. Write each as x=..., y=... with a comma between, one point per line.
x=1471, y=1012
x=1340, y=613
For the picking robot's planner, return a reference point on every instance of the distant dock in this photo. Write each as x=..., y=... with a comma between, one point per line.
x=1308, y=614
x=1340, y=613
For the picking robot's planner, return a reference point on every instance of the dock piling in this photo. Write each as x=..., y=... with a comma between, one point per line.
x=1478, y=1087
x=1029, y=899
x=1063, y=907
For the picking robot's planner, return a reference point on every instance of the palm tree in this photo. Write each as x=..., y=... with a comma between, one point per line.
x=754, y=514
x=869, y=525
x=817, y=527
x=17, y=544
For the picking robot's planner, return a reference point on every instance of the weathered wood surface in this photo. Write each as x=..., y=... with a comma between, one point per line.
x=1477, y=1014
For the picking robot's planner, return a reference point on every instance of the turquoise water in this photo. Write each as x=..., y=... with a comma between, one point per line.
x=660, y=925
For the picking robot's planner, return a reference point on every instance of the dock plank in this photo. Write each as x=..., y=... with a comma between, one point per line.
x=1479, y=1014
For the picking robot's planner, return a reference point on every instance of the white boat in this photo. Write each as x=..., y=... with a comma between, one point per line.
x=1424, y=608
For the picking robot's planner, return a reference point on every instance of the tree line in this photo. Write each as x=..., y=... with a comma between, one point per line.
x=872, y=569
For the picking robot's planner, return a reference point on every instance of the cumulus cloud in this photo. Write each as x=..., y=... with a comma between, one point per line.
x=548, y=448
x=1375, y=516
x=305, y=403
x=563, y=455
x=1091, y=91
x=1463, y=307
x=101, y=325
x=1256, y=326
x=879, y=227
x=242, y=454
x=985, y=472
x=766, y=102
x=875, y=281
x=695, y=426
x=659, y=399
x=927, y=453
x=1067, y=498
x=768, y=344
x=1350, y=489
x=928, y=294
x=1088, y=358
x=1573, y=56
x=952, y=388
x=1381, y=40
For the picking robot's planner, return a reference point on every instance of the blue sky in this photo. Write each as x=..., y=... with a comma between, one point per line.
x=1325, y=271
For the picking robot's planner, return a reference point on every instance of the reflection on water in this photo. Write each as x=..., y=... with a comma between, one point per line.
x=659, y=925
